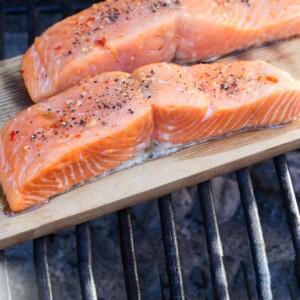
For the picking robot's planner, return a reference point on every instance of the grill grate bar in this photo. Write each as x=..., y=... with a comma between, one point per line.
x=32, y=21
x=128, y=255
x=171, y=247
x=214, y=245
x=84, y=257
x=291, y=207
x=67, y=8
x=245, y=269
x=1, y=30
x=48, y=9
x=260, y=261
x=42, y=273
x=4, y=280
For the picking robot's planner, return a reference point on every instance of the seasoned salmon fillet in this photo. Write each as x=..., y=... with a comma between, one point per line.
x=246, y=95
x=109, y=119
x=211, y=28
x=81, y=133
x=179, y=104
x=126, y=34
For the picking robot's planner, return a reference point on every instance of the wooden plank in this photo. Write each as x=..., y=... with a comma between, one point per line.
x=152, y=179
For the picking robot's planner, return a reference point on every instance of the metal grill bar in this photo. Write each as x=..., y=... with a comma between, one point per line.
x=42, y=273
x=128, y=255
x=171, y=247
x=84, y=257
x=1, y=30
x=49, y=9
x=214, y=245
x=260, y=261
x=67, y=8
x=32, y=21
x=245, y=270
x=291, y=207
x=4, y=280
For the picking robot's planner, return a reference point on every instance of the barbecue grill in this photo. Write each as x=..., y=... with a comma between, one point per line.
x=33, y=10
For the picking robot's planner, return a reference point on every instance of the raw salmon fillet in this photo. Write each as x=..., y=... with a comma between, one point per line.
x=126, y=34
x=109, y=119
x=81, y=133
x=246, y=95
x=207, y=100
x=178, y=102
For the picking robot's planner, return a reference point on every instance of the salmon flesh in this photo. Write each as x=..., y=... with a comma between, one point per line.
x=126, y=34
x=112, y=118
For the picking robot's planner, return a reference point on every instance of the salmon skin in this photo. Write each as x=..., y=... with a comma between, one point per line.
x=126, y=34
x=111, y=118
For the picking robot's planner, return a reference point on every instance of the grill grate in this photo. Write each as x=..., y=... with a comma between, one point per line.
x=84, y=257
x=42, y=268
x=128, y=255
x=33, y=9
x=214, y=245
x=171, y=247
x=257, y=243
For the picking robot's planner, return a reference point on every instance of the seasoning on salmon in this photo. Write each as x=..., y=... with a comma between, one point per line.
x=126, y=34
x=246, y=95
x=178, y=102
x=81, y=133
x=109, y=119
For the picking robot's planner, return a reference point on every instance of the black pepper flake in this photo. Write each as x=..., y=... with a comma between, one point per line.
x=224, y=87
x=33, y=137
x=82, y=123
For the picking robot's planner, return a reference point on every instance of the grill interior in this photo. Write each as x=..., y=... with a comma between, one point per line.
x=35, y=11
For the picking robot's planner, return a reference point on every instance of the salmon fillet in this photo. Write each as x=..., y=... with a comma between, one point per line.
x=109, y=119
x=211, y=28
x=126, y=34
x=81, y=133
x=178, y=101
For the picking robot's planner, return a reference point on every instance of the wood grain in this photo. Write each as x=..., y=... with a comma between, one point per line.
x=152, y=179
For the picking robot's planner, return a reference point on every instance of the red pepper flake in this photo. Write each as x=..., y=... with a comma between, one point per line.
x=57, y=48
x=90, y=19
x=101, y=42
x=106, y=81
x=272, y=79
x=22, y=72
x=259, y=78
x=78, y=136
x=13, y=135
